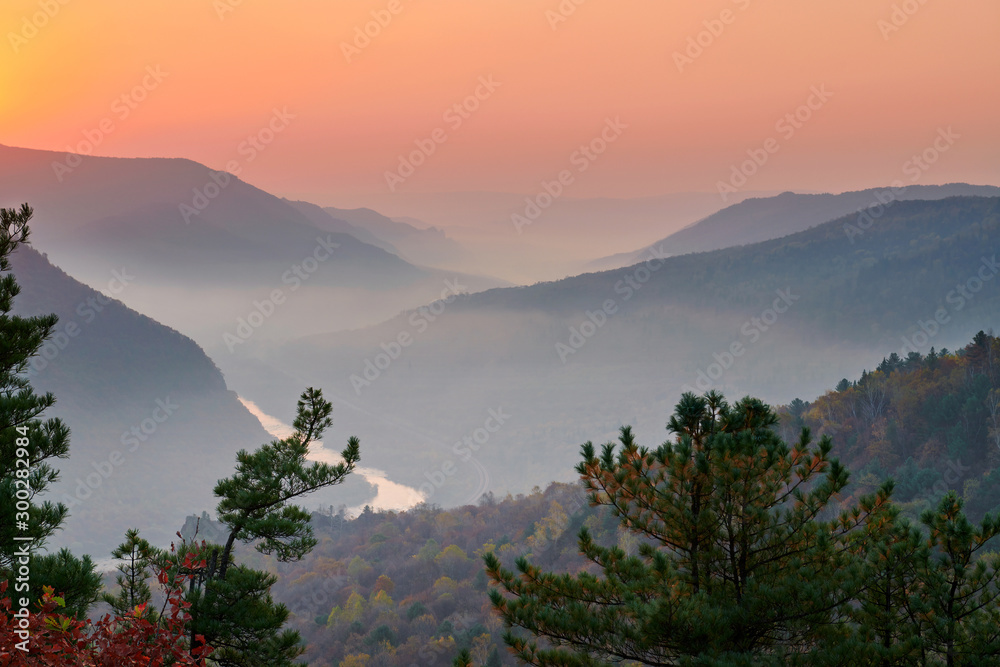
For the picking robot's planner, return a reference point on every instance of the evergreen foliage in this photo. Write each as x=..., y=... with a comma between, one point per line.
x=735, y=560
x=24, y=436
x=231, y=604
x=743, y=561
x=931, y=422
x=139, y=559
x=76, y=579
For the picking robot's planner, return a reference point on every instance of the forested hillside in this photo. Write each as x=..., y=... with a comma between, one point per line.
x=145, y=404
x=932, y=422
x=405, y=588
x=762, y=218
x=574, y=359
x=409, y=588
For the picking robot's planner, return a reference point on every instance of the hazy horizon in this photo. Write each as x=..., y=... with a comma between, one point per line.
x=461, y=246
x=558, y=76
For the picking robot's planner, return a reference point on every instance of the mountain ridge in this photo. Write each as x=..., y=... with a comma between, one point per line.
x=779, y=318
x=753, y=219
x=146, y=406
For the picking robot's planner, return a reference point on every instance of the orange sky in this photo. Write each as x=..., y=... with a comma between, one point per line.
x=609, y=58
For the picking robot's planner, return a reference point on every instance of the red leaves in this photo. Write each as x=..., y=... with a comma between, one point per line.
x=127, y=641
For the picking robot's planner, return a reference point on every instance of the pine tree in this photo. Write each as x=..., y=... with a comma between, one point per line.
x=463, y=659
x=231, y=603
x=957, y=600
x=140, y=559
x=736, y=565
x=24, y=436
x=929, y=598
x=76, y=579
x=883, y=628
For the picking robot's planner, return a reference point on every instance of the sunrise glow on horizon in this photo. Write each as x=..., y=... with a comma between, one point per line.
x=700, y=86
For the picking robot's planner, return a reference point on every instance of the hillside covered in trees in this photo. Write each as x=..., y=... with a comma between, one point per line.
x=654, y=329
x=407, y=588
x=931, y=422
x=410, y=588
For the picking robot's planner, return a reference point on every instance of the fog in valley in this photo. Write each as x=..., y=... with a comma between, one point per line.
x=346, y=290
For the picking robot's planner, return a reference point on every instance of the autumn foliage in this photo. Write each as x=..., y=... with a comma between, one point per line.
x=930, y=422
x=137, y=638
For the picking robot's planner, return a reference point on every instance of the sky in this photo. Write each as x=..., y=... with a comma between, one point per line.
x=297, y=98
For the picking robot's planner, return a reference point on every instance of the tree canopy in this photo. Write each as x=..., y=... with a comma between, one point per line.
x=231, y=604
x=744, y=557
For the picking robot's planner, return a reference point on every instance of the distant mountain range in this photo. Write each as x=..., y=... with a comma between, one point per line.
x=773, y=296
x=323, y=219
x=424, y=246
x=153, y=424
x=427, y=246
x=763, y=218
x=571, y=360
x=179, y=226
x=563, y=235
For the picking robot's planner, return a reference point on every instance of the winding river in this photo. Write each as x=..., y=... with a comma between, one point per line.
x=389, y=496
